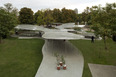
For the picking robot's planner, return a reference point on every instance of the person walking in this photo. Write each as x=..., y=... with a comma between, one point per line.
x=92, y=39
x=40, y=35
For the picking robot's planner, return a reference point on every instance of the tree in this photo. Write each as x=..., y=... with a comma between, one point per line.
x=8, y=19
x=44, y=17
x=83, y=16
x=38, y=13
x=48, y=19
x=15, y=11
x=103, y=20
x=68, y=15
x=8, y=7
x=40, y=19
x=86, y=16
x=26, y=16
x=57, y=15
x=7, y=23
x=111, y=10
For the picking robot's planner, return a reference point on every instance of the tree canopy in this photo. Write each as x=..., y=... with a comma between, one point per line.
x=101, y=19
x=56, y=15
x=104, y=21
x=26, y=16
x=68, y=15
x=7, y=22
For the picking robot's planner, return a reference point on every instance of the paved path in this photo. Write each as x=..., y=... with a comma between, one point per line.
x=98, y=70
x=74, y=60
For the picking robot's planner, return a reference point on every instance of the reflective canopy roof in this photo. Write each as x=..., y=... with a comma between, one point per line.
x=59, y=33
x=62, y=36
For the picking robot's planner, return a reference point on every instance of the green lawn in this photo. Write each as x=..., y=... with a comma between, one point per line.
x=20, y=58
x=95, y=53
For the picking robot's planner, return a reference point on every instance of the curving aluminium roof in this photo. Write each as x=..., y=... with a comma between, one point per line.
x=59, y=33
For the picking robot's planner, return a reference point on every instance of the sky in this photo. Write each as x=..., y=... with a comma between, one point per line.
x=51, y=4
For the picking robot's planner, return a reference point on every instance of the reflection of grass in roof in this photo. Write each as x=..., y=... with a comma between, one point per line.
x=75, y=28
x=51, y=27
x=95, y=53
x=20, y=58
x=89, y=31
x=74, y=32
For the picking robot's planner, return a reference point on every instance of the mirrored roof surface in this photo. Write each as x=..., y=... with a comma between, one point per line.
x=59, y=33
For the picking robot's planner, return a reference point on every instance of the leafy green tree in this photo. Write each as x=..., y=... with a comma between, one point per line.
x=103, y=20
x=57, y=15
x=79, y=18
x=38, y=13
x=83, y=17
x=111, y=11
x=73, y=15
x=68, y=15
x=44, y=17
x=40, y=19
x=86, y=16
x=8, y=19
x=7, y=22
x=48, y=19
x=15, y=11
x=64, y=15
x=26, y=16
x=8, y=7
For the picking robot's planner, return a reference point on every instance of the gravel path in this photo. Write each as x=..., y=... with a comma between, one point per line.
x=73, y=58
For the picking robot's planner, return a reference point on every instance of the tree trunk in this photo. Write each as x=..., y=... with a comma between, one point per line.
x=105, y=43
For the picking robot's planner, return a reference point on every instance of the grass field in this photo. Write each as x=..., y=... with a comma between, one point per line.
x=95, y=53
x=20, y=58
